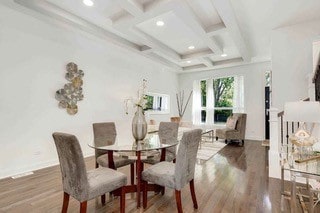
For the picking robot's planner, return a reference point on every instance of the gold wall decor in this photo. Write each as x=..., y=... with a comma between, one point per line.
x=71, y=93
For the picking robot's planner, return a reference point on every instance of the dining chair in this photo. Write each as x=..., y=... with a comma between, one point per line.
x=81, y=184
x=168, y=133
x=177, y=175
x=105, y=134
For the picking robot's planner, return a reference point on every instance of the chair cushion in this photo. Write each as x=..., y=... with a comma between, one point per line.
x=156, y=158
x=231, y=122
x=103, y=180
x=161, y=173
x=118, y=161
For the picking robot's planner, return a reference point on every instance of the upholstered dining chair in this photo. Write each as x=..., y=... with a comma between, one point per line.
x=81, y=184
x=105, y=134
x=177, y=175
x=168, y=132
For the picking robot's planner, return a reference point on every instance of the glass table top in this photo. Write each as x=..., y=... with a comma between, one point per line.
x=288, y=157
x=151, y=142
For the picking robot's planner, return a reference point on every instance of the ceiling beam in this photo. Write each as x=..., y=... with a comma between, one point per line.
x=207, y=61
x=204, y=53
x=216, y=29
x=131, y=6
x=225, y=10
x=188, y=16
x=56, y=15
x=155, y=44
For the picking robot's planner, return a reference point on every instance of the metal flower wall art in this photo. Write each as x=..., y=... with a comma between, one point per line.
x=71, y=93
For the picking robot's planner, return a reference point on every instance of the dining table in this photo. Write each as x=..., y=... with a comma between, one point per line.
x=136, y=150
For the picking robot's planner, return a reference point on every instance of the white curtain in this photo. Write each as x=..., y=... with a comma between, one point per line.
x=210, y=102
x=238, y=94
x=196, y=103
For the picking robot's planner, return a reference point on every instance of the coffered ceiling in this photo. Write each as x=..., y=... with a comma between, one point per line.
x=186, y=35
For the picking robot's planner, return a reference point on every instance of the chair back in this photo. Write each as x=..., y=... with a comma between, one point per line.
x=241, y=123
x=72, y=165
x=186, y=157
x=168, y=132
x=104, y=134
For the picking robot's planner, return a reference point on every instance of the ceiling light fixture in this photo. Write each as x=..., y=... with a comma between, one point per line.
x=191, y=47
x=223, y=55
x=88, y=2
x=160, y=23
x=188, y=62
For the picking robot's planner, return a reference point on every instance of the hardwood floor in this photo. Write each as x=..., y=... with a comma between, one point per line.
x=234, y=180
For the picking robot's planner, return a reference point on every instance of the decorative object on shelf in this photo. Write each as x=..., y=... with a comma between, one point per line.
x=306, y=112
x=182, y=106
x=71, y=93
x=139, y=123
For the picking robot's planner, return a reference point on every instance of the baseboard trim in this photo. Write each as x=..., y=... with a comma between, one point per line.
x=7, y=173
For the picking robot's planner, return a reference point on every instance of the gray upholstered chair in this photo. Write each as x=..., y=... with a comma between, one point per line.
x=177, y=175
x=168, y=132
x=236, y=133
x=105, y=134
x=81, y=184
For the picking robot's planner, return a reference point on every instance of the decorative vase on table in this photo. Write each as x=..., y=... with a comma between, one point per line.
x=139, y=124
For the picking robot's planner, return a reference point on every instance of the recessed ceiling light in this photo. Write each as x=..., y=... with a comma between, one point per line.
x=88, y=2
x=191, y=47
x=160, y=23
x=188, y=62
x=223, y=55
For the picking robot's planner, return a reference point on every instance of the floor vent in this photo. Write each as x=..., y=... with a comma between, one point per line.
x=22, y=175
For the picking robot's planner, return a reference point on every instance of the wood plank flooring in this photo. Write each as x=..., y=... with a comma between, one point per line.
x=234, y=180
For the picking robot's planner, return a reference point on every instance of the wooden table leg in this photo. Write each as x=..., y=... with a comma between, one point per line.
x=163, y=155
x=139, y=171
x=110, y=160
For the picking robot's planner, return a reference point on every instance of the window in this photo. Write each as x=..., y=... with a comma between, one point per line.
x=219, y=98
x=157, y=103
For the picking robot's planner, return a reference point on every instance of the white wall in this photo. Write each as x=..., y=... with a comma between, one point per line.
x=292, y=61
x=33, y=57
x=254, y=82
x=292, y=67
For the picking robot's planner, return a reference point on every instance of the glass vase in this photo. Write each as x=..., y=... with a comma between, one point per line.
x=139, y=125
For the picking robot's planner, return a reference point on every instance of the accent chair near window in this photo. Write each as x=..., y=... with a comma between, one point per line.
x=238, y=121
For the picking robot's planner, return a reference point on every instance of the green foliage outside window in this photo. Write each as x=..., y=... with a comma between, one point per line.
x=203, y=93
x=223, y=92
x=223, y=97
x=149, y=104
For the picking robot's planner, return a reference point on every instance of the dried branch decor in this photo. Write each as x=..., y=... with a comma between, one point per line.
x=182, y=106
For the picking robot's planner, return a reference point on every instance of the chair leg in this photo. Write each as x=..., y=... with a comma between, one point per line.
x=83, y=207
x=163, y=189
x=193, y=194
x=178, y=200
x=216, y=138
x=132, y=173
x=145, y=193
x=97, y=165
x=65, y=202
x=122, y=200
x=174, y=160
x=103, y=199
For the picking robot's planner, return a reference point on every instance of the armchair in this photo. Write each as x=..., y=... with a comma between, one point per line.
x=235, y=128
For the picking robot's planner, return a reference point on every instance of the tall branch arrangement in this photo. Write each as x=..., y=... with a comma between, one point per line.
x=182, y=106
